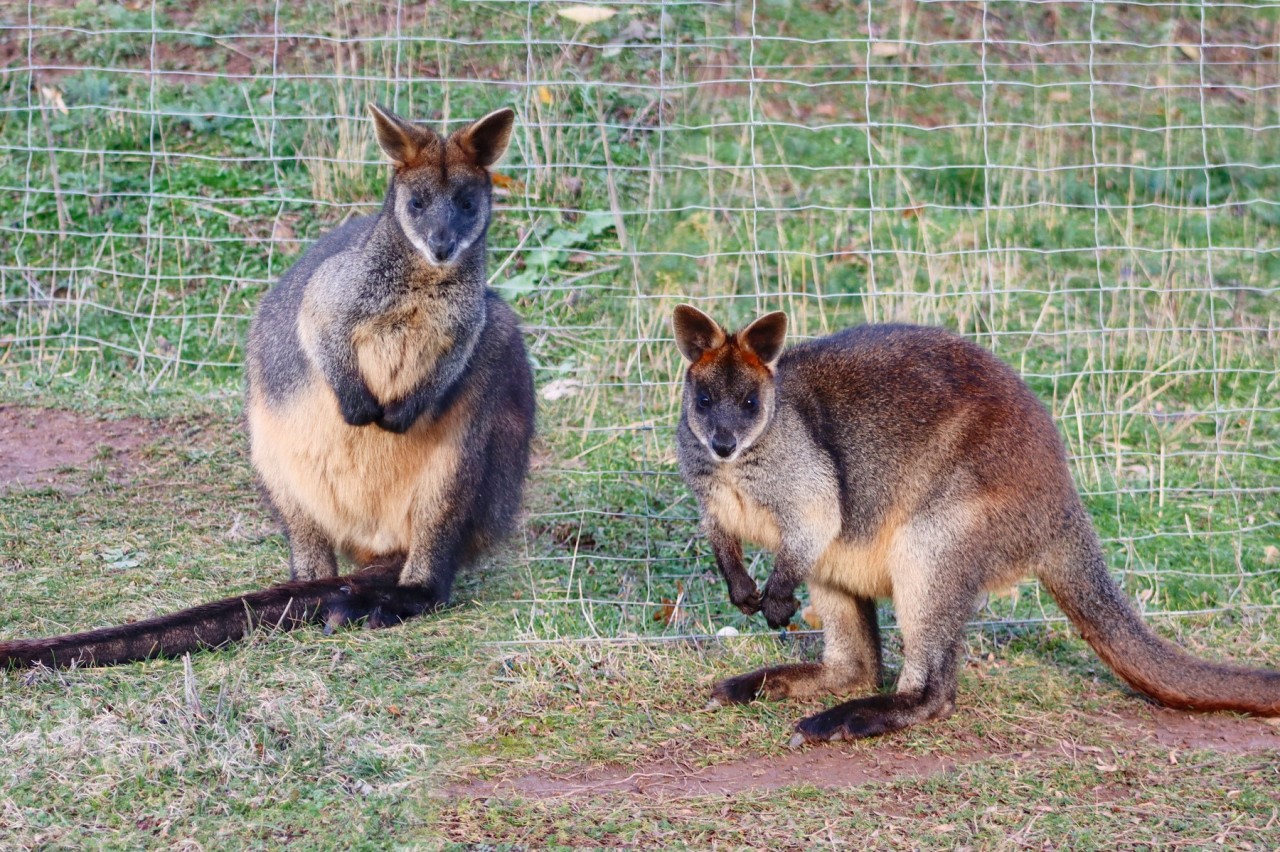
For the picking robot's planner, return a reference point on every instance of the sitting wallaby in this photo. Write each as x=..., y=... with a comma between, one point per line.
x=893, y=461
x=390, y=410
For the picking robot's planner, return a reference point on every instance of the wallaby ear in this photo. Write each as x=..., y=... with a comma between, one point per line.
x=765, y=337
x=402, y=141
x=696, y=332
x=485, y=140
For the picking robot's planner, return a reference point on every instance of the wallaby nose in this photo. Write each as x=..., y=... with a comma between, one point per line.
x=723, y=446
x=442, y=246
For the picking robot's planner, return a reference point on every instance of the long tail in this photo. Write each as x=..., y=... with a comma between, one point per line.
x=287, y=606
x=1085, y=591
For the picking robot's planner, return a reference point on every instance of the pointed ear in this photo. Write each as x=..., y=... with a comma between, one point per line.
x=765, y=337
x=486, y=140
x=696, y=332
x=402, y=141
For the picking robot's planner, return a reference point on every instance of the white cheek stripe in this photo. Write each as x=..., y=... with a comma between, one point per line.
x=414, y=237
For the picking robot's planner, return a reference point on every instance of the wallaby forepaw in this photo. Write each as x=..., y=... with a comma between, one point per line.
x=398, y=417
x=747, y=600
x=778, y=611
x=359, y=408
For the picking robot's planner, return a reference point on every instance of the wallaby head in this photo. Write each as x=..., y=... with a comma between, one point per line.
x=729, y=389
x=441, y=195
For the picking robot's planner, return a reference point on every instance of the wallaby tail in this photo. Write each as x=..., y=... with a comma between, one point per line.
x=287, y=606
x=1083, y=588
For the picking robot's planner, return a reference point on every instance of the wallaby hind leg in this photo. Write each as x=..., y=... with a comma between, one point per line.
x=850, y=655
x=933, y=603
x=311, y=555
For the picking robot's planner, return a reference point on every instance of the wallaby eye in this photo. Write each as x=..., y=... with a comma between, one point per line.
x=416, y=204
x=751, y=403
x=704, y=401
x=466, y=204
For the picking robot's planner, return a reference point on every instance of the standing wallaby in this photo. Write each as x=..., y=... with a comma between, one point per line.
x=893, y=461
x=390, y=410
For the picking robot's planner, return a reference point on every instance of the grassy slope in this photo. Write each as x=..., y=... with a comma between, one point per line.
x=329, y=741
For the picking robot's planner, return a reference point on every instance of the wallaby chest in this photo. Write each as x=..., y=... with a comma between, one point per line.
x=398, y=349
x=731, y=502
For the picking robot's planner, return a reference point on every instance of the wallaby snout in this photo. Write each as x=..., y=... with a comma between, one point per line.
x=442, y=245
x=723, y=444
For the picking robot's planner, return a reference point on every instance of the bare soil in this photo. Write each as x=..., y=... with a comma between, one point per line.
x=841, y=765
x=42, y=447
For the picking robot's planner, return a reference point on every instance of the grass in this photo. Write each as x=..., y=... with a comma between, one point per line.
x=1096, y=237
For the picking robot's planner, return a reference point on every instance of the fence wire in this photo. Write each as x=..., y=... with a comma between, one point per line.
x=1088, y=189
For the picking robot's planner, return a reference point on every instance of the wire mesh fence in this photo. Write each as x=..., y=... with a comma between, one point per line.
x=1088, y=189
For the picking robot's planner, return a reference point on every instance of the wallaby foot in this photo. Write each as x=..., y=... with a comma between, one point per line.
x=376, y=601
x=796, y=680
x=871, y=717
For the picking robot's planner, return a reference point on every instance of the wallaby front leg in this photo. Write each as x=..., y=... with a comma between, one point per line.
x=433, y=397
x=791, y=567
x=357, y=403
x=330, y=345
x=728, y=552
x=311, y=553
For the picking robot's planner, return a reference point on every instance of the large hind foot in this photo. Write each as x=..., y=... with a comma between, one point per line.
x=870, y=717
x=790, y=681
x=796, y=680
x=376, y=601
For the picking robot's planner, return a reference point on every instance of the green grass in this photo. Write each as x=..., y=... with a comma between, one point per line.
x=1119, y=256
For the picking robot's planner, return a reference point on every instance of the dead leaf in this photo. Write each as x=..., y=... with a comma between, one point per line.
x=668, y=613
x=544, y=95
x=586, y=15
x=394, y=710
x=885, y=49
x=1191, y=51
x=53, y=98
x=1060, y=96
x=826, y=110
x=506, y=182
x=811, y=617
x=915, y=211
x=559, y=389
x=849, y=254
x=1270, y=555
x=282, y=232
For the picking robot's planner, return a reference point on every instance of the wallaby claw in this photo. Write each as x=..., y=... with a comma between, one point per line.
x=748, y=604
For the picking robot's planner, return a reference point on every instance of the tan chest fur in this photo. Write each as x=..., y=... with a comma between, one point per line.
x=742, y=516
x=395, y=350
x=863, y=567
x=363, y=486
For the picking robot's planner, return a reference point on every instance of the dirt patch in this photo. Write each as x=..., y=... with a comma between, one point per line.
x=45, y=447
x=840, y=766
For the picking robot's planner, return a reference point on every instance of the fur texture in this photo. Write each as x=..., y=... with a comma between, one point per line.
x=892, y=461
x=390, y=409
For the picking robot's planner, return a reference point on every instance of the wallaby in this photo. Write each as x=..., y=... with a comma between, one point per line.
x=894, y=461
x=390, y=410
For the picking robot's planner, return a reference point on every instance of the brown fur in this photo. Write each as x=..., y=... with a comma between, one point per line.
x=904, y=463
x=389, y=406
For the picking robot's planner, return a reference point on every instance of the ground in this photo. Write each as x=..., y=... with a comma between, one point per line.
x=1089, y=190
x=451, y=737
